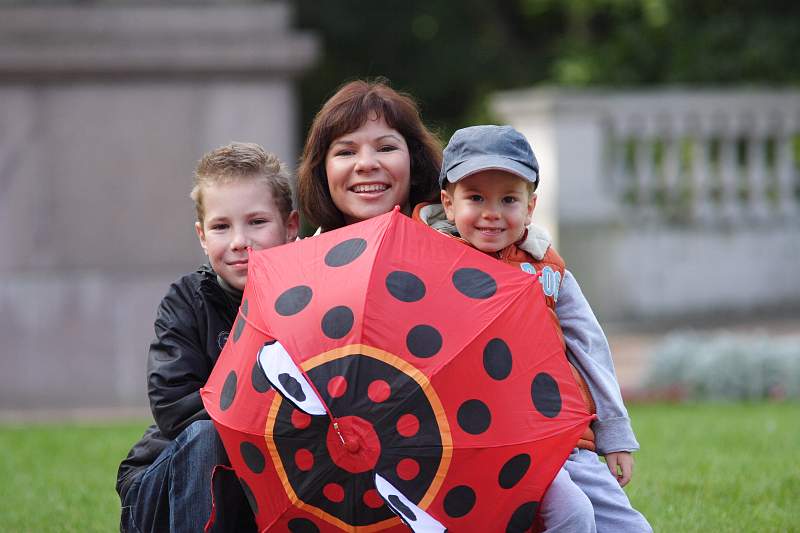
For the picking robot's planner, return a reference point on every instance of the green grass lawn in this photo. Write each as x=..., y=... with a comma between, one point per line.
x=704, y=468
x=718, y=468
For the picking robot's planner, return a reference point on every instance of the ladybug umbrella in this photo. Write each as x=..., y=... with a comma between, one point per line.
x=384, y=374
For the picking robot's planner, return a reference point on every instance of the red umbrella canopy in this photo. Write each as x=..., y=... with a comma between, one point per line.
x=384, y=374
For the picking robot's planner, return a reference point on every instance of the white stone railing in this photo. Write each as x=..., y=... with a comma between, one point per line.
x=649, y=192
x=677, y=155
x=702, y=157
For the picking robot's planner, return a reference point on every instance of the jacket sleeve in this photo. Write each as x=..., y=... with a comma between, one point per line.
x=178, y=365
x=588, y=350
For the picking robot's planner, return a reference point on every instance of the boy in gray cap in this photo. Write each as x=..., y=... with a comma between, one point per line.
x=489, y=178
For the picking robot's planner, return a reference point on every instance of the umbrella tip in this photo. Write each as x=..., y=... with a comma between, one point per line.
x=351, y=445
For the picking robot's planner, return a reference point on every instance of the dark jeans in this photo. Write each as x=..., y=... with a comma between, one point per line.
x=174, y=493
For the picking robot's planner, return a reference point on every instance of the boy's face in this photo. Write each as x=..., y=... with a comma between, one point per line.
x=239, y=214
x=490, y=208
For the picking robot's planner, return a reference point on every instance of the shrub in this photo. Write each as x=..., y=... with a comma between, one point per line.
x=725, y=366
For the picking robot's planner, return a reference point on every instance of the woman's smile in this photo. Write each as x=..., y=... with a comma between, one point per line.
x=367, y=188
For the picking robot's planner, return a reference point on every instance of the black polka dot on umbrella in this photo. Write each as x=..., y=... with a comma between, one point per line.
x=293, y=300
x=345, y=252
x=402, y=508
x=248, y=493
x=474, y=283
x=259, y=379
x=240, y=322
x=522, y=519
x=545, y=395
x=337, y=322
x=514, y=470
x=292, y=387
x=405, y=286
x=228, y=391
x=474, y=417
x=459, y=501
x=497, y=359
x=238, y=328
x=302, y=525
x=424, y=341
x=252, y=456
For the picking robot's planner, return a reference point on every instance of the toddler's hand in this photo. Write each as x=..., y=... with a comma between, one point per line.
x=621, y=466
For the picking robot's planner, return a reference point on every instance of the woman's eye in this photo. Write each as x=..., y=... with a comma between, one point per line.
x=387, y=148
x=340, y=153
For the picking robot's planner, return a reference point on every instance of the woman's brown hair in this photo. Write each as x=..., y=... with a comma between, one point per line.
x=352, y=105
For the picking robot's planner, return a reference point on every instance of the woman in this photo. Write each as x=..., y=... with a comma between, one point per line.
x=367, y=151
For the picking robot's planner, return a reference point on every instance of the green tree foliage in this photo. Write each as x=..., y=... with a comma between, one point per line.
x=452, y=54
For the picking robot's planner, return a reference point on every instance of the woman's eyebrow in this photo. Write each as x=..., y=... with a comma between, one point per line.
x=343, y=141
x=349, y=142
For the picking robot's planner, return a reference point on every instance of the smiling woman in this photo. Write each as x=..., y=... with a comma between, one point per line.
x=367, y=151
x=368, y=171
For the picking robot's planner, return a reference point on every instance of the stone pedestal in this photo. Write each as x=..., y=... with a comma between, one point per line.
x=104, y=112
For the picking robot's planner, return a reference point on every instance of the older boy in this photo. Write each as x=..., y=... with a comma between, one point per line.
x=243, y=199
x=488, y=179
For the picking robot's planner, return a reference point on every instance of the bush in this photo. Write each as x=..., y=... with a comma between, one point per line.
x=725, y=366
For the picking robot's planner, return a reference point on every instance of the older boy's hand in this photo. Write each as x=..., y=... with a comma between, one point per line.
x=621, y=466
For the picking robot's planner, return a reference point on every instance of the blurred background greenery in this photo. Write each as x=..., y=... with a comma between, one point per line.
x=452, y=54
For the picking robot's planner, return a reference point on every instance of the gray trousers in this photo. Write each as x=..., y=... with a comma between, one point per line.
x=584, y=496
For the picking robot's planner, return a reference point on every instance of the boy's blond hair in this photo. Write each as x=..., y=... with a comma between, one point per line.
x=242, y=161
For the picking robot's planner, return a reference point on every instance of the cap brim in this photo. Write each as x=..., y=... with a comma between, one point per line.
x=491, y=162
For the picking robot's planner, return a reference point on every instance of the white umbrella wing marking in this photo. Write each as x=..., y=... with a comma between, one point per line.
x=288, y=380
x=414, y=517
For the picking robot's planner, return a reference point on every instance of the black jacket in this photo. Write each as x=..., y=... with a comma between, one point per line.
x=192, y=325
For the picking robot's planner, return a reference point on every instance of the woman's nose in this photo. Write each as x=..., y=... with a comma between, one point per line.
x=366, y=160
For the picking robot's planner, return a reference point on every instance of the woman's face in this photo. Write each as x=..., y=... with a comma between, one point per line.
x=369, y=171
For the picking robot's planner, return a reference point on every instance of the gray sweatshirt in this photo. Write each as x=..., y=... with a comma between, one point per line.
x=588, y=350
